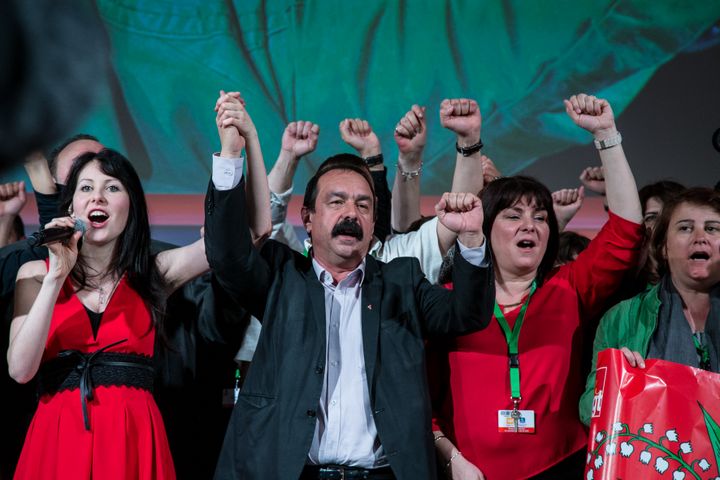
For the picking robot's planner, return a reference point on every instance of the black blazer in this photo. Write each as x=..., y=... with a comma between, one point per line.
x=273, y=422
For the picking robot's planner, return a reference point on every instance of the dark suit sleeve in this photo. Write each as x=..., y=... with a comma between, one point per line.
x=12, y=257
x=467, y=308
x=48, y=206
x=238, y=267
x=220, y=318
x=384, y=204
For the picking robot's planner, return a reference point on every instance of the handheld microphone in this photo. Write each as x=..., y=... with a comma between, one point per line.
x=55, y=234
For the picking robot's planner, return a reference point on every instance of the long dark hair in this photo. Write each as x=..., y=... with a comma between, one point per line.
x=698, y=196
x=507, y=191
x=131, y=255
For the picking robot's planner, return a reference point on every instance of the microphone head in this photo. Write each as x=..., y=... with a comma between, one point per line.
x=79, y=226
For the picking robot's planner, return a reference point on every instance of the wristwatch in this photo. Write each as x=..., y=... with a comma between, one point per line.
x=374, y=160
x=467, y=151
x=608, y=142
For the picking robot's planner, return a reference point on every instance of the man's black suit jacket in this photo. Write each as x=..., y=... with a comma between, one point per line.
x=273, y=422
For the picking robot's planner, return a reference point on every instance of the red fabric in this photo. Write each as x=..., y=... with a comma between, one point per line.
x=127, y=438
x=470, y=379
x=655, y=422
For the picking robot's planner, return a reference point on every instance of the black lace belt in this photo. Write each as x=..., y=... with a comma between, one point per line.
x=74, y=369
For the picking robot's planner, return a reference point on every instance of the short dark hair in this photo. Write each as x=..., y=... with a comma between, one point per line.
x=53, y=156
x=343, y=161
x=698, y=196
x=132, y=249
x=507, y=191
x=663, y=190
x=570, y=244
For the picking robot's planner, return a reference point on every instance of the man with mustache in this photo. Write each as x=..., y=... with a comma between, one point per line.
x=337, y=387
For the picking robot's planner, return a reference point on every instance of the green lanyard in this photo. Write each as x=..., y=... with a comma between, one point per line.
x=512, y=338
x=702, y=351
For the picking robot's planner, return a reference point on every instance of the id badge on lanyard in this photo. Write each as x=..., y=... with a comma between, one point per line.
x=515, y=420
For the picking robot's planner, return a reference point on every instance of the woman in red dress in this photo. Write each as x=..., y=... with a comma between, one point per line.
x=85, y=323
x=506, y=400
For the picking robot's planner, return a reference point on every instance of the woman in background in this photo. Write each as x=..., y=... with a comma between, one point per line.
x=678, y=319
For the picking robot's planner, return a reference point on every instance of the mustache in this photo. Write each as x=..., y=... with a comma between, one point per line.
x=348, y=227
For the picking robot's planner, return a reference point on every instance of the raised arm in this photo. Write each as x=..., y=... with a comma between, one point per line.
x=596, y=116
x=490, y=170
x=237, y=130
x=469, y=306
x=36, y=292
x=238, y=267
x=410, y=137
x=359, y=135
x=299, y=138
x=593, y=179
x=462, y=116
x=12, y=201
x=566, y=203
x=38, y=170
x=180, y=265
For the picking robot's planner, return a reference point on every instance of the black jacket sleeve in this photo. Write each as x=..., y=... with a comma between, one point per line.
x=384, y=204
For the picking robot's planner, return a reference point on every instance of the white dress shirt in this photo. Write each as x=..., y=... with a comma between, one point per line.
x=345, y=432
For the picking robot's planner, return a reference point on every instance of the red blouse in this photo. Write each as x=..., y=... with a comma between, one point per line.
x=469, y=375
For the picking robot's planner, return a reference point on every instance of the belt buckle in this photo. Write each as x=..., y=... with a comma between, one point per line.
x=331, y=471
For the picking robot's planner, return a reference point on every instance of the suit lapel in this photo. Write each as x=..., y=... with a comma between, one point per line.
x=371, y=298
x=316, y=292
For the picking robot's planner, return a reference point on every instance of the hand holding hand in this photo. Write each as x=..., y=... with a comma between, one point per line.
x=594, y=179
x=358, y=133
x=462, y=116
x=593, y=114
x=300, y=138
x=63, y=255
x=12, y=198
x=233, y=122
x=411, y=133
x=462, y=213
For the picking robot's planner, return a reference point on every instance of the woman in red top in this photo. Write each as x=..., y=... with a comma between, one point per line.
x=85, y=324
x=507, y=398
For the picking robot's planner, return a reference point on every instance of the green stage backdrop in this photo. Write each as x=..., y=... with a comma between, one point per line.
x=327, y=60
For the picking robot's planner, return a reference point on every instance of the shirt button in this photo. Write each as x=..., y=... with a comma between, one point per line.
x=333, y=402
x=310, y=413
x=319, y=370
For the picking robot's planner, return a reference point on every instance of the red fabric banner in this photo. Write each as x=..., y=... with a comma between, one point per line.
x=657, y=422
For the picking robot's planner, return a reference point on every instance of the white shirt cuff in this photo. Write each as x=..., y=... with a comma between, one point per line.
x=282, y=198
x=226, y=172
x=474, y=256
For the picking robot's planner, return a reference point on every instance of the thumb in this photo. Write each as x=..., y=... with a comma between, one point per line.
x=581, y=193
x=21, y=191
